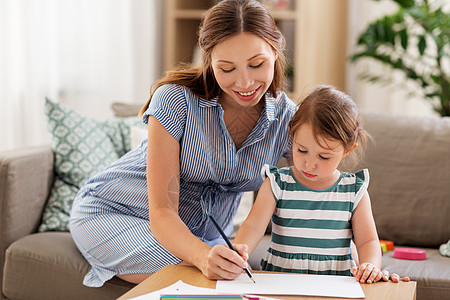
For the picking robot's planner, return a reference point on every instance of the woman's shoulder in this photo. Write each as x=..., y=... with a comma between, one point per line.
x=170, y=89
x=168, y=100
x=283, y=104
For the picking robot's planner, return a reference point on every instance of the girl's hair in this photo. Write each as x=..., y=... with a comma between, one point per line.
x=333, y=115
x=224, y=20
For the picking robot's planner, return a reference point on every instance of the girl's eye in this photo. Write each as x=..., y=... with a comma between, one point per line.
x=302, y=151
x=227, y=70
x=257, y=66
x=323, y=157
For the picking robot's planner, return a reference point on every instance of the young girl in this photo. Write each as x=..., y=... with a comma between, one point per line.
x=316, y=209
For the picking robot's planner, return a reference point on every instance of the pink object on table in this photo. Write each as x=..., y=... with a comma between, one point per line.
x=410, y=253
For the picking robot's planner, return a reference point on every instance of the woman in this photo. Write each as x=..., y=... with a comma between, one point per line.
x=210, y=130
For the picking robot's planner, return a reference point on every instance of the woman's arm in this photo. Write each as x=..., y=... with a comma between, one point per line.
x=254, y=226
x=163, y=183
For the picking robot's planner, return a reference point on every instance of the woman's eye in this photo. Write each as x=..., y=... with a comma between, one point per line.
x=257, y=66
x=227, y=70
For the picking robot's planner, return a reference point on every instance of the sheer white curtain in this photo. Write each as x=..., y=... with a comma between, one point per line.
x=372, y=96
x=83, y=53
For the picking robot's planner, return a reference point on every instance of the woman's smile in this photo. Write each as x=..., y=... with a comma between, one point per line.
x=247, y=95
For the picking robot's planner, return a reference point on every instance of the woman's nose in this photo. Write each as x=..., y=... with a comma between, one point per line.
x=244, y=79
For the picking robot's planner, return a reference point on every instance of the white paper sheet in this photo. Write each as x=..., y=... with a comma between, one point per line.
x=178, y=288
x=293, y=284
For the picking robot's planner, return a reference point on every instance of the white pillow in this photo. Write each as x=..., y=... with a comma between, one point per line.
x=137, y=134
x=243, y=210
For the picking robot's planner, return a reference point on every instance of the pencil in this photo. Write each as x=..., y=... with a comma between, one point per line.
x=230, y=245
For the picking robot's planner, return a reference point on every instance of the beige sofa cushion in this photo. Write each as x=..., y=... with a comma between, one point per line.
x=410, y=178
x=48, y=265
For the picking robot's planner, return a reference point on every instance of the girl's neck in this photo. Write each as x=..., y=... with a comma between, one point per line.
x=322, y=184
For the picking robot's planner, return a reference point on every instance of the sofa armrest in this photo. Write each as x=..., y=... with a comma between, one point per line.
x=26, y=176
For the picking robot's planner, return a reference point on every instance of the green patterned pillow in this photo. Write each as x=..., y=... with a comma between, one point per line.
x=82, y=147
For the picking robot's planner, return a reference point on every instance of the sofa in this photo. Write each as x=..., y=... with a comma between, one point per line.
x=409, y=163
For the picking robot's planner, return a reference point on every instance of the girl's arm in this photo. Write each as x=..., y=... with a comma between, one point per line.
x=363, y=223
x=367, y=243
x=254, y=226
x=163, y=182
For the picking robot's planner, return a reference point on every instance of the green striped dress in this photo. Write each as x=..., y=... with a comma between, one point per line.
x=311, y=229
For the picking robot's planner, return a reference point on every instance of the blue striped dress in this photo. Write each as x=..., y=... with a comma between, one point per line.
x=109, y=219
x=311, y=229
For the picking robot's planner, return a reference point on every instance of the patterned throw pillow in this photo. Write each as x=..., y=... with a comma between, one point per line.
x=82, y=147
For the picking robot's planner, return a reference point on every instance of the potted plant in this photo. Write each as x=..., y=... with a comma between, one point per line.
x=416, y=41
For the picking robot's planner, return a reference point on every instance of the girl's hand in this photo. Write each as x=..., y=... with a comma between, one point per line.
x=394, y=277
x=367, y=273
x=224, y=263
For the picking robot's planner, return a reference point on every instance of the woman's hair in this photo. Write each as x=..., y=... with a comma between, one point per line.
x=332, y=115
x=224, y=20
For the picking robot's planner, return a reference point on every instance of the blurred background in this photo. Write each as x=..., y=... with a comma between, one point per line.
x=88, y=54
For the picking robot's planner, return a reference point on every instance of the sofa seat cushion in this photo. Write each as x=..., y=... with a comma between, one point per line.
x=49, y=266
x=431, y=274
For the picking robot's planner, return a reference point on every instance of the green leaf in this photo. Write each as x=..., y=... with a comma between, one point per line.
x=390, y=35
x=422, y=44
x=436, y=79
x=403, y=38
x=405, y=3
x=379, y=32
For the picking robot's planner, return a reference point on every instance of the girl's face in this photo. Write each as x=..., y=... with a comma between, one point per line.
x=244, y=67
x=315, y=166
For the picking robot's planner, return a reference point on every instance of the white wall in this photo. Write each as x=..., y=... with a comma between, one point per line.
x=85, y=54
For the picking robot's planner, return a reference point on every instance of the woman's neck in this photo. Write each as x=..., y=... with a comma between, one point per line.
x=240, y=121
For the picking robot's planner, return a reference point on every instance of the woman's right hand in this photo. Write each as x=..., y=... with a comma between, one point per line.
x=224, y=263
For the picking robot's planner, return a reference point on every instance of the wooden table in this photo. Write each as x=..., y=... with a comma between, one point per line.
x=191, y=275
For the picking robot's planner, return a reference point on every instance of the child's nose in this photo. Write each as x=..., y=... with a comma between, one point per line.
x=310, y=164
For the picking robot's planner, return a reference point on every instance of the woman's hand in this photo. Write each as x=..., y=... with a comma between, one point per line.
x=367, y=273
x=224, y=263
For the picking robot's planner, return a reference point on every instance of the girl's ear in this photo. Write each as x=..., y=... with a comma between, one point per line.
x=349, y=151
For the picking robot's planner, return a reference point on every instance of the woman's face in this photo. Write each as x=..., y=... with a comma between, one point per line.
x=244, y=67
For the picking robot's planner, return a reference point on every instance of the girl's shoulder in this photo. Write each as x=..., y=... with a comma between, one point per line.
x=359, y=177
x=277, y=175
x=356, y=184
x=279, y=178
